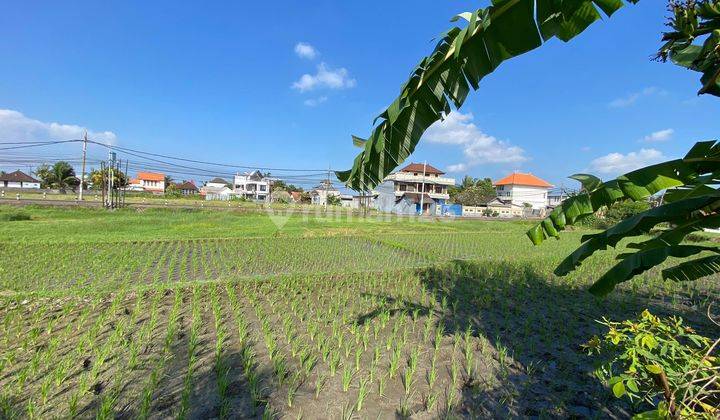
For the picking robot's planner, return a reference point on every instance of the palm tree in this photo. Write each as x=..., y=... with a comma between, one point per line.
x=61, y=175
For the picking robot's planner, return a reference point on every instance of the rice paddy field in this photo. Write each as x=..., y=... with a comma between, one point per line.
x=207, y=314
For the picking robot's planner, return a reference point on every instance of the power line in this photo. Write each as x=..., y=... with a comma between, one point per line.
x=127, y=150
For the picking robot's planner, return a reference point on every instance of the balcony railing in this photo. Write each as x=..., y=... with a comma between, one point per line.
x=411, y=177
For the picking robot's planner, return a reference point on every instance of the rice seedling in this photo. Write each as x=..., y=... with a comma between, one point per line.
x=347, y=375
x=266, y=314
x=363, y=390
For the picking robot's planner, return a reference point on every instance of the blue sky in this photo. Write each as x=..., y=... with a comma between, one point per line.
x=227, y=82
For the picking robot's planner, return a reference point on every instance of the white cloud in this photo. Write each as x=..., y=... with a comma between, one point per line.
x=658, y=136
x=458, y=167
x=315, y=101
x=630, y=99
x=325, y=78
x=14, y=126
x=305, y=50
x=457, y=129
x=617, y=163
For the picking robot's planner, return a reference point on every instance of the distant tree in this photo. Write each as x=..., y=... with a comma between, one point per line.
x=280, y=196
x=474, y=196
x=293, y=188
x=305, y=197
x=168, y=180
x=98, y=177
x=334, y=200
x=43, y=173
x=61, y=176
x=171, y=190
x=485, y=184
x=279, y=185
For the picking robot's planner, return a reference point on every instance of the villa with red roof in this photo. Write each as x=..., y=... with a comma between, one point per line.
x=148, y=181
x=421, y=187
x=523, y=189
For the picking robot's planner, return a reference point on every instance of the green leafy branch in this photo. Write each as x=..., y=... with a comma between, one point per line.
x=460, y=60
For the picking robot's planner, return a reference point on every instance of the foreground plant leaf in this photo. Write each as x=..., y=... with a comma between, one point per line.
x=692, y=205
x=460, y=60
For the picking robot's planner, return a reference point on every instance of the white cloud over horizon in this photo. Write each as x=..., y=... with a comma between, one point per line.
x=457, y=129
x=618, y=163
x=631, y=98
x=659, y=136
x=305, y=50
x=325, y=77
x=15, y=126
x=312, y=102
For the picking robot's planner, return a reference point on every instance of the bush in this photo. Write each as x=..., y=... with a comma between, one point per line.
x=661, y=362
x=624, y=209
x=615, y=213
x=14, y=217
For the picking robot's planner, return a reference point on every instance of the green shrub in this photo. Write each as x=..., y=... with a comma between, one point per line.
x=623, y=209
x=14, y=216
x=661, y=362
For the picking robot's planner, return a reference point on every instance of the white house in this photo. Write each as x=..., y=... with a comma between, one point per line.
x=216, y=189
x=320, y=194
x=523, y=190
x=251, y=185
x=415, y=178
x=556, y=198
x=18, y=179
x=148, y=181
x=216, y=183
x=494, y=208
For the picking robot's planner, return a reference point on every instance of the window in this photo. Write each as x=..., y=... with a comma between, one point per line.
x=415, y=174
x=263, y=187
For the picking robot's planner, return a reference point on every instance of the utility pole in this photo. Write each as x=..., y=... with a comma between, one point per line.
x=82, y=173
x=422, y=193
x=125, y=186
x=327, y=187
x=111, y=175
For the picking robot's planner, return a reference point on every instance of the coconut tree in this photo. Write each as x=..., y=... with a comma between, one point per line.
x=60, y=176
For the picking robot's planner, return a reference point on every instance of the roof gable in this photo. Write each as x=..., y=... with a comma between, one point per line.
x=151, y=176
x=518, y=178
x=187, y=185
x=217, y=181
x=422, y=167
x=17, y=176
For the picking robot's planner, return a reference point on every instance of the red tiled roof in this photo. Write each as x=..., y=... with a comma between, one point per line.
x=186, y=185
x=17, y=176
x=518, y=178
x=418, y=167
x=151, y=176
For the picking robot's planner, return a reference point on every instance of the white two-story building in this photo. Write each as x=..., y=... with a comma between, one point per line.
x=252, y=186
x=524, y=190
x=420, y=185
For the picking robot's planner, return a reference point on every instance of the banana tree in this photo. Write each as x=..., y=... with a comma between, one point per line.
x=691, y=204
x=689, y=184
x=462, y=57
